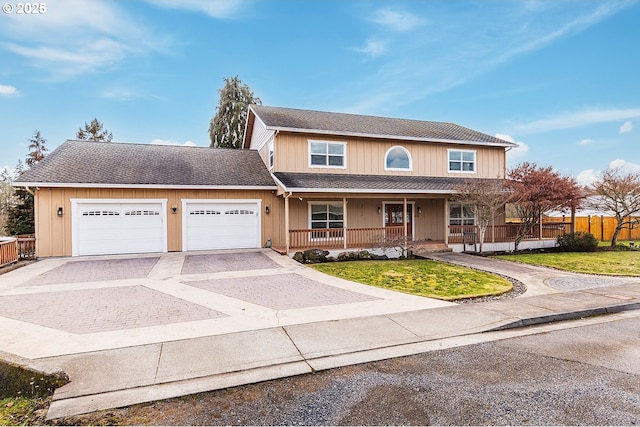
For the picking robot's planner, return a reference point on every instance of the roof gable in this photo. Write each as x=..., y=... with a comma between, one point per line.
x=320, y=122
x=131, y=165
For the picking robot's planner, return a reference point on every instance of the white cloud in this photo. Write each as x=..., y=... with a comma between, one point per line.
x=213, y=8
x=158, y=141
x=625, y=165
x=516, y=153
x=587, y=177
x=578, y=119
x=75, y=37
x=585, y=141
x=396, y=20
x=373, y=48
x=626, y=127
x=8, y=90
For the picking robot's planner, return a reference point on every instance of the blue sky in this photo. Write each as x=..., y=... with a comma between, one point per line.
x=560, y=78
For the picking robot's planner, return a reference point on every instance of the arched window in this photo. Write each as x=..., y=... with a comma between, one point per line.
x=397, y=158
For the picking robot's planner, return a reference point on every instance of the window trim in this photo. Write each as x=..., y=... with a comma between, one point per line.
x=327, y=166
x=337, y=203
x=386, y=156
x=458, y=150
x=462, y=217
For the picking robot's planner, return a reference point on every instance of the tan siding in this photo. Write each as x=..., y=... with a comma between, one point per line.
x=54, y=233
x=366, y=156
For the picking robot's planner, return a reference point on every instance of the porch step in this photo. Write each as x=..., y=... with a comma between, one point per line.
x=424, y=251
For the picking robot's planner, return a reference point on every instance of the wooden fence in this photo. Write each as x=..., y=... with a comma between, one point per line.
x=602, y=227
x=8, y=251
x=17, y=248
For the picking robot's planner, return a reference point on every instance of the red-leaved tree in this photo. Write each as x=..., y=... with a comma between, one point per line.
x=536, y=190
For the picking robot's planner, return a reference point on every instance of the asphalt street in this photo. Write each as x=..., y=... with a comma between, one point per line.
x=584, y=372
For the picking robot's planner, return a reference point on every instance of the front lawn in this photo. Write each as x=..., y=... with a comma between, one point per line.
x=616, y=263
x=419, y=277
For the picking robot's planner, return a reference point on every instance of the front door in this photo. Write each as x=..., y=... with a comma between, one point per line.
x=393, y=216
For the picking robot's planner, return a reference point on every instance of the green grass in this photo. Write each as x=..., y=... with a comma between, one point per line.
x=615, y=263
x=419, y=277
x=21, y=411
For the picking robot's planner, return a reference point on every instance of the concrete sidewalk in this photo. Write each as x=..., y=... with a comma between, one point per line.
x=156, y=362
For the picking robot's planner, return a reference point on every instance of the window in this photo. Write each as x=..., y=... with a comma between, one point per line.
x=461, y=215
x=326, y=216
x=462, y=161
x=397, y=158
x=271, y=155
x=327, y=154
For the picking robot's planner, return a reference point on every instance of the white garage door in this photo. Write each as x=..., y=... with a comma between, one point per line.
x=221, y=225
x=102, y=228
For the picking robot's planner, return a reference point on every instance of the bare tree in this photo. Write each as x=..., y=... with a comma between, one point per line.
x=619, y=193
x=536, y=190
x=485, y=197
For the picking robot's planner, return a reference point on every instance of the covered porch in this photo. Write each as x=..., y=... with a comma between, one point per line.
x=342, y=212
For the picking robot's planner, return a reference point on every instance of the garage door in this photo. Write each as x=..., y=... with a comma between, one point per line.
x=118, y=228
x=221, y=225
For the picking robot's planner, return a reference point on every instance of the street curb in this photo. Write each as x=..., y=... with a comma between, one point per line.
x=570, y=315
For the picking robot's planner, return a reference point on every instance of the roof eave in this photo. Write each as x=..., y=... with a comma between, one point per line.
x=142, y=186
x=404, y=138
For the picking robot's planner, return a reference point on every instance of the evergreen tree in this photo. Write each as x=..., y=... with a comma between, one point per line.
x=20, y=216
x=227, y=125
x=7, y=197
x=37, y=149
x=94, y=132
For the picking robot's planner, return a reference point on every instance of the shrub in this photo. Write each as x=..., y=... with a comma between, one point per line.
x=577, y=242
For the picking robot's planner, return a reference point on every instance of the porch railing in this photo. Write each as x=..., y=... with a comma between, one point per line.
x=26, y=246
x=337, y=238
x=508, y=232
x=8, y=251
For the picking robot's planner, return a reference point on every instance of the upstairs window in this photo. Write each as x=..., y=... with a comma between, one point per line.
x=271, y=155
x=397, y=158
x=327, y=154
x=463, y=161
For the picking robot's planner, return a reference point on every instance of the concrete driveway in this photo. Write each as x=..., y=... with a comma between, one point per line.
x=65, y=306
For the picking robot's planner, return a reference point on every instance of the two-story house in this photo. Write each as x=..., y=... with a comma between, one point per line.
x=347, y=180
x=304, y=179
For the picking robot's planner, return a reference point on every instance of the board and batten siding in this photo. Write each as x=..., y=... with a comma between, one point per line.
x=366, y=156
x=54, y=232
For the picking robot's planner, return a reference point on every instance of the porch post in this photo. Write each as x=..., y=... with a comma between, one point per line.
x=286, y=221
x=404, y=221
x=344, y=221
x=446, y=221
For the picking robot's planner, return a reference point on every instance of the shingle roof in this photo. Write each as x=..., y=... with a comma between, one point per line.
x=81, y=162
x=317, y=182
x=370, y=126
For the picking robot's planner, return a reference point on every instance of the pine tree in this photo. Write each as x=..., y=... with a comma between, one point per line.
x=94, y=132
x=37, y=149
x=226, y=128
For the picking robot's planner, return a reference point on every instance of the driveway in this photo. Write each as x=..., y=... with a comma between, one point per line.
x=64, y=306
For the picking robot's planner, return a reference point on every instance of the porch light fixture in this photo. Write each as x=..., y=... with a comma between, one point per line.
x=419, y=210
x=267, y=210
x=379, y=210
x=174, y=209
x=60, y=211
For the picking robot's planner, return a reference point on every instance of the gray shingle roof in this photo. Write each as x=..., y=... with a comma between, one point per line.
x=80, y=162
x=368, y=183
x=370, y=126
